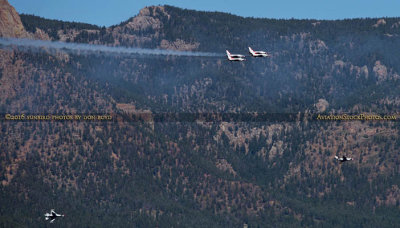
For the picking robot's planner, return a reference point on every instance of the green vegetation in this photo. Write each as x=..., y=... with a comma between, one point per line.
x=51, y=27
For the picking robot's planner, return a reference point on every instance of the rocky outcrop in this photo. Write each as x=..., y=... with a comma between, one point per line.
x=396, y=25
x=10, y=22
x=380, y=71
x=225, y=166
x=317, y=46
x=179, y=45
x=40, y=35
x=322, y=105
x=379, y=22
x=147, y=19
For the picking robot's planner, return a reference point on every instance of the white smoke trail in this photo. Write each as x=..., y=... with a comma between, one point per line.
x=79, y=48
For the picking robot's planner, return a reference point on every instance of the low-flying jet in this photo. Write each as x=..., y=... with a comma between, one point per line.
x=258, y=53
x=343, y=159
x=52, y=216
x=234, y=57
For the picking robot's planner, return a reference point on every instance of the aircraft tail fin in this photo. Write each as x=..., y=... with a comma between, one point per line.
x=251, y=50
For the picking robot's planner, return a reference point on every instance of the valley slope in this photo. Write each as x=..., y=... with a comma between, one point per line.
x=202, y=174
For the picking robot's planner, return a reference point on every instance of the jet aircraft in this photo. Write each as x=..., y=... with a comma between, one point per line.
x=234, y=57
x=258, y=53
x=52, y=216
x=343, y=159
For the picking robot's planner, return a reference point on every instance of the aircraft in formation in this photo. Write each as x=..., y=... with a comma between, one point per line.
x=52, y=216
x=234, y=57
x=237, y=57
x=258, y=53
x=343, y=159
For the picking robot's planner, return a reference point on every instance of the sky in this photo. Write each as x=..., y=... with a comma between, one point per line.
x=110, y=12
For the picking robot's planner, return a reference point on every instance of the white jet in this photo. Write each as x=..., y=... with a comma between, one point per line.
x=343, y=159
x=234, y=57
x=52, y=216
x=258, y=53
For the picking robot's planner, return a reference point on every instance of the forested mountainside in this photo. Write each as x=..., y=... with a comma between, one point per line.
x=194, y=173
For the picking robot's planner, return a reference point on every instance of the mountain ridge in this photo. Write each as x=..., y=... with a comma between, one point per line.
x=117, y=34
x=203, y=174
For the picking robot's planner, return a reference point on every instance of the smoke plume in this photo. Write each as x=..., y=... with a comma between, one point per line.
x=79, y=48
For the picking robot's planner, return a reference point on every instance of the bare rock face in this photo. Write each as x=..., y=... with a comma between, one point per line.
x=317, y=46
x=223, y=165
x=143, y=23
x=178, y=45
x=10, y=22
x=364, y=69
x=41, y=35
x=380, y=70
x=316, y=23
x=144, y=20
x=322, y=105
x=147, y=18
x=379, y=22
x=396, y=25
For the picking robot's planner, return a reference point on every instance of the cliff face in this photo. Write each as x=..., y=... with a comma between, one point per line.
x=10, y=22
x=146, y=27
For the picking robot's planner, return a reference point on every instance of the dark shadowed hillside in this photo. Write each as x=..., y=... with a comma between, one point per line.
x=176, y=173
